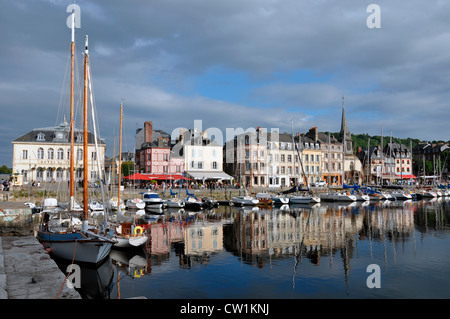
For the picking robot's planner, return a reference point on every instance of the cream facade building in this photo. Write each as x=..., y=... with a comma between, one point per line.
x=43, y=155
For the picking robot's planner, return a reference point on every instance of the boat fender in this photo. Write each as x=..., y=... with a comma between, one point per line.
x=49, y=250
x=141, y=230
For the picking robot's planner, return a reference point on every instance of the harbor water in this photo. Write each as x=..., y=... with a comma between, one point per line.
x=371, y=250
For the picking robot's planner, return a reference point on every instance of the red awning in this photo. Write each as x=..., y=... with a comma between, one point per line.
x=138, y=176
x=406, y=176
x=149, y=177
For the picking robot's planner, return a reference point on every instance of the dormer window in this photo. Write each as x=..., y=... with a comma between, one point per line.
x=79, y=138
x=40, y=137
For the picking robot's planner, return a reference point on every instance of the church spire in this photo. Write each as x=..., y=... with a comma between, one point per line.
x=344, y=135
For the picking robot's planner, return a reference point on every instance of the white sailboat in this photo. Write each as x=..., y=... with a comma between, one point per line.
x=126, y=234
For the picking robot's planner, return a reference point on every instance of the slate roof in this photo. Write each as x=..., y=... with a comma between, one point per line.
x=49, y=135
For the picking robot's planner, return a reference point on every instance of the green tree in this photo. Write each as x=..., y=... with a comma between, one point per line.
x=5, y=170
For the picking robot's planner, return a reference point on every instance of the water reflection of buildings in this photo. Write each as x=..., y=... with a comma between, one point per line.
x=313, y=232
x=193, y=239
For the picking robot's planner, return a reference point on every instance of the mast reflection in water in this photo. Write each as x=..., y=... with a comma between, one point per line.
x=310, y=251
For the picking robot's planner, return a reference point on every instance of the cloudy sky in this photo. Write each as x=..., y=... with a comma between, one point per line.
x=230, y=64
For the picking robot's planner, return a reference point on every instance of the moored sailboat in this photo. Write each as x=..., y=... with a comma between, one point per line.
x=81, y=243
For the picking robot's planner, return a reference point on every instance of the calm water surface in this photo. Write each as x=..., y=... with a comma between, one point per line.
x=311, y=251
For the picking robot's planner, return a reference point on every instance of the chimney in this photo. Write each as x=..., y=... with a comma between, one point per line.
x=148, y=131
x=313, y=133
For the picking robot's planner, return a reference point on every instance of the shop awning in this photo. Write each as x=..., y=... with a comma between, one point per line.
x=406, y=176
x=209, y=175
x=149, y=177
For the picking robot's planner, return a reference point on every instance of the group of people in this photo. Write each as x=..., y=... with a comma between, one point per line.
x=5, y=185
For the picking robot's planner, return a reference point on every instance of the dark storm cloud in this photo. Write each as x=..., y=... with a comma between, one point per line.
x=150, y=53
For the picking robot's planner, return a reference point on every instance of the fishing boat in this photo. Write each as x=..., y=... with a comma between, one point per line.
x=69, y=240
x=264, y=199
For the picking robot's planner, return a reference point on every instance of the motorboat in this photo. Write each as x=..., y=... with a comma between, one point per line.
x=95, y=206
x=209, y=203
x=152, y=200
x=303, y=199
x=174, y=203
x=361, y=197
x=193, y=203
x=401, y=195
x=244, y=200
x=336, y=196
x=134, y=203
x=114, y=204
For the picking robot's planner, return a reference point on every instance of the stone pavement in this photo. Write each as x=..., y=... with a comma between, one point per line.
x=28, y=272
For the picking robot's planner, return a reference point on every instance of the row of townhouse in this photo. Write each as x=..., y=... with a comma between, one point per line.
x=281, y=159
x=386, y=165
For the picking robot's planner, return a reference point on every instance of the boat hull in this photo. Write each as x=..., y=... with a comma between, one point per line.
x=130, y=242
x=76, y=247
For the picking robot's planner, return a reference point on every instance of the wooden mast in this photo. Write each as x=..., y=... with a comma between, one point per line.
x=85, y=136
x=72, y=120
x=120, y=156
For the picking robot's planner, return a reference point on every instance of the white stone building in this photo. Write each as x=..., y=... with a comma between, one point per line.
x=203, y=158
x=43, y=155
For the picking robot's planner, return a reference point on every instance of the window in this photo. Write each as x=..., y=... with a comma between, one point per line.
x=50, y=153
x=200, y=165
x=214, y=165
x=80, y=154
x=60, y=154
x=49, y=174
x=40, y=153
x=24, y=154
x=93, y=156
x=40, y=137
x=289, y=158
x=165, y=157
x=282, y=158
